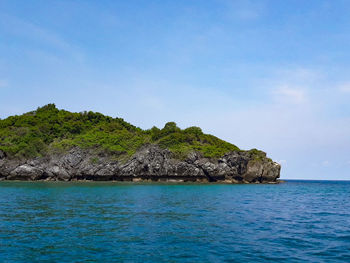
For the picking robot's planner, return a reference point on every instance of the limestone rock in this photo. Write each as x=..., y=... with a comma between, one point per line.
x=26, y=172
x=150, y=163
x=2, y=155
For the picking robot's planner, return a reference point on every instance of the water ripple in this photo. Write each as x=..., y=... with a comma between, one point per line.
x=98, y=222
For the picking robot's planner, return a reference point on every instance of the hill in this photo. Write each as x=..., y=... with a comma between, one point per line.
x=53, y=144
x=49, y=129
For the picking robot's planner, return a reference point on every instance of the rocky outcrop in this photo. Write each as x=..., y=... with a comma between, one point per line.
x=2, y=155
x=150, y=163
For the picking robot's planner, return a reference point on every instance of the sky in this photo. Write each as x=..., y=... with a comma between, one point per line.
x=266, y=74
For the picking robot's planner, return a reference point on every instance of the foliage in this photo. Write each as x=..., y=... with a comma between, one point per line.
x=51, y=130
x=258, y=155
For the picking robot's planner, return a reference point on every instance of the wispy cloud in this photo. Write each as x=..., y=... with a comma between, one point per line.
x=290, y=94
x=292, y=86
x=295, y=122
x=39, y=36
x=244, y=10
x=344, y=87
x=3, y=83
x=326, y=163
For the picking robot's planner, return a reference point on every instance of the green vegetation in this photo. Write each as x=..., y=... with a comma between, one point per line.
x=258, y=155
x=48, y=130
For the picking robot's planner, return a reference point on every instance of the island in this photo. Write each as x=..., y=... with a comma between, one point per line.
x=57, y=145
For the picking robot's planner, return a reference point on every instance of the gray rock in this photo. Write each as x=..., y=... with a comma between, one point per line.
x=26, y=172
x=150, y=163
x=2, y=155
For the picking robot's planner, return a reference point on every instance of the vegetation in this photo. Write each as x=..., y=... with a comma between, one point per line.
x=48, y=130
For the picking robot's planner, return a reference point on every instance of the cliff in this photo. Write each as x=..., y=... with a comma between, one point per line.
x=51, y=144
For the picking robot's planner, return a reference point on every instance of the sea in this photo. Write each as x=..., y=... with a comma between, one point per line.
x=295, y=221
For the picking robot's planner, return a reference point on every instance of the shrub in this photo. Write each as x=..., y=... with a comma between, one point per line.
x=51, y=130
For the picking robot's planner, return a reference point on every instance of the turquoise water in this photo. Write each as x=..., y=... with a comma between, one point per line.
x=296, y=221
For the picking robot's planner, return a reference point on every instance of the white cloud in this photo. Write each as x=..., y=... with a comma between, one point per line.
x=293, y=86
x=290, y=94
x=293, y=121
x=248, y=14
x=3, y=83
x=344, y=87
x=40, y=35
x=326, y=163
x=244, y=10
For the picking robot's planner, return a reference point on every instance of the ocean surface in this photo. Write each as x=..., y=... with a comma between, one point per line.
x=297, y=221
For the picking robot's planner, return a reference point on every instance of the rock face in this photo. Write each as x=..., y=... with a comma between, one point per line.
x=150, y=163
x=2, y=155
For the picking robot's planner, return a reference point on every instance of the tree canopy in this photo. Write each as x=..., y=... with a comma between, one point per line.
x=49, y=129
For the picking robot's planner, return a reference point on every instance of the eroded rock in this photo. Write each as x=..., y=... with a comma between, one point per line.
x=150, y=163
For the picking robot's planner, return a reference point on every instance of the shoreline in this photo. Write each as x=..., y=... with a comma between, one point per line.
x=170, y=182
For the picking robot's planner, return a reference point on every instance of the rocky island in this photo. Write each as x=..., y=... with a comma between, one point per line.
x=58, y=145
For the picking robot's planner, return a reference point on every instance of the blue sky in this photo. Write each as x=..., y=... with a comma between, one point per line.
x=269, y=74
